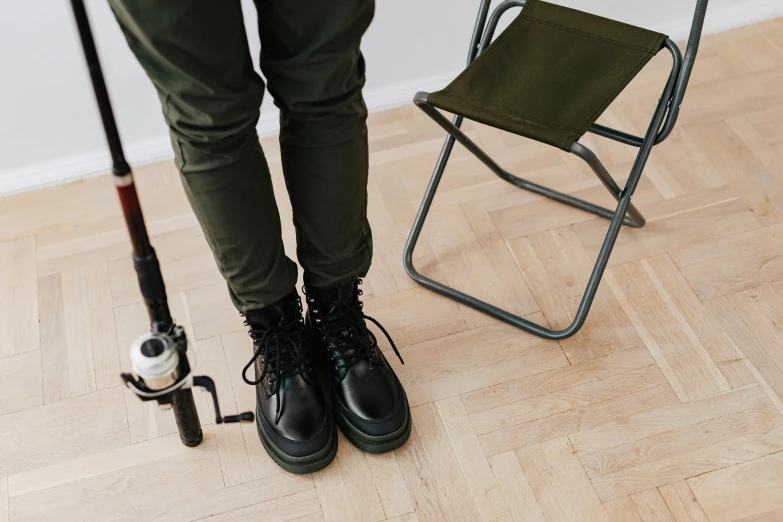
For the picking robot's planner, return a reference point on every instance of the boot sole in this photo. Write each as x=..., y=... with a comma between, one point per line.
x=298, y=465
x=372, y=443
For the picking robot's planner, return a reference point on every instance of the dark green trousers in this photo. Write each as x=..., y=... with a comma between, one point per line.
x=196, y=54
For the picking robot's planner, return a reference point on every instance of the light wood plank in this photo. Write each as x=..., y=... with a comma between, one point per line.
x=333, y=494
x=765, y=317
x=452, y=384
x=758, y=361
x=456, y=354
x=95, y=464
x=210, y=499
x=559, y=482
x=652, y=507
x=647, y=444
x=103, y=333
x=211, y=312
x=315, y=517
x=759, y=132
x=78, y=337
x=415, y=316
x=407, y=517
x=674, y=224
x=54, y=350
x=557, y=268
x=557, y=379
x=737, y=164
x=573, y=421
x=720, y=349
x=623, y=509
x=675, y=328
x=652, y=422
x=4, y=517
x=56, y=433
x=291, y=507
x=516, y=489
x=465, y=263
x=419, y=478
x=567, y=399
x=484, y=487
x=757, y=483
x=453, y=491
x=200, y=465
x=748, y=51
x=403, y=206
x=19, y=306
x=359, y=483
x=734, y=263
x=21, y=385
x=709, y=458
x=682, y=502
x=513, y=293
x=390, y=484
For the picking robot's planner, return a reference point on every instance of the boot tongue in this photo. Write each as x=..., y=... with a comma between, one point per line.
x=343, y=295
x=271, y=315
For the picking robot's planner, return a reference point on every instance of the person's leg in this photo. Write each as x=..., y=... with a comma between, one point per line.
x=310, y=56
x=315, y=71
x=196, y=54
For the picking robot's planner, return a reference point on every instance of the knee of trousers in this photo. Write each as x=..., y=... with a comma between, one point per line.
x=206, y=142
x=323, y=106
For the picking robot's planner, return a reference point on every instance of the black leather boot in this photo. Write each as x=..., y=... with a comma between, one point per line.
x=293, y=420
x=368, y=401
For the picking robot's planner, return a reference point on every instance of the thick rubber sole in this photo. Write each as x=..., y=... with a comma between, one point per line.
x=370, y=443
x=298, y=465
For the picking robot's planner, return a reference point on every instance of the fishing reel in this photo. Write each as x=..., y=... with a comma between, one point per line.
x=163, y=374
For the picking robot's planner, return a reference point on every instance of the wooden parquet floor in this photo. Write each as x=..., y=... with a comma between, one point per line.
x=667, y=406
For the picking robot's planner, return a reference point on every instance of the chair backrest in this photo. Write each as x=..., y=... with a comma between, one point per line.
x=485, y=27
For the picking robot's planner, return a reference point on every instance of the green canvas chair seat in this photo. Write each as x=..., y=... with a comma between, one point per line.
x=550, y=74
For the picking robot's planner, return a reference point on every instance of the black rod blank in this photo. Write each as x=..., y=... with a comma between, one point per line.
x=120, y=166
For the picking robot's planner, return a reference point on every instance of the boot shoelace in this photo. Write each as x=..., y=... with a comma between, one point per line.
x=282, y=355
x=344, y=328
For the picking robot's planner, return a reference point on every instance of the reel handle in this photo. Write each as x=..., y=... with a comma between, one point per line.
x=208, y=384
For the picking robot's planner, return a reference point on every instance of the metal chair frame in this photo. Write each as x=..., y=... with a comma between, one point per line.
x=663, y=121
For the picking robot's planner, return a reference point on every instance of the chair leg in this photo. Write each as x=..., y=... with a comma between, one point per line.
x=618, y=217
x=635, y=218
x=491, y=310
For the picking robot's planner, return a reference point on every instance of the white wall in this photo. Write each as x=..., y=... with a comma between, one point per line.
x=49, y=126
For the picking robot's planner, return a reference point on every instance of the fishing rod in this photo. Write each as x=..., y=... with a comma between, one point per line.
x=158, y=358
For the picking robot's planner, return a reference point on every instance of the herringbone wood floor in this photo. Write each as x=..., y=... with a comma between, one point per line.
x=668, y=406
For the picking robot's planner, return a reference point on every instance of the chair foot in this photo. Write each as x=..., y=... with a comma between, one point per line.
x=493, y=311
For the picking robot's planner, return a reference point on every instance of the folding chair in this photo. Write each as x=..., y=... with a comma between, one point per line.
x=548, y=77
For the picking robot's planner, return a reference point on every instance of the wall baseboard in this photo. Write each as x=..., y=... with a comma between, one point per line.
x=84, y=165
